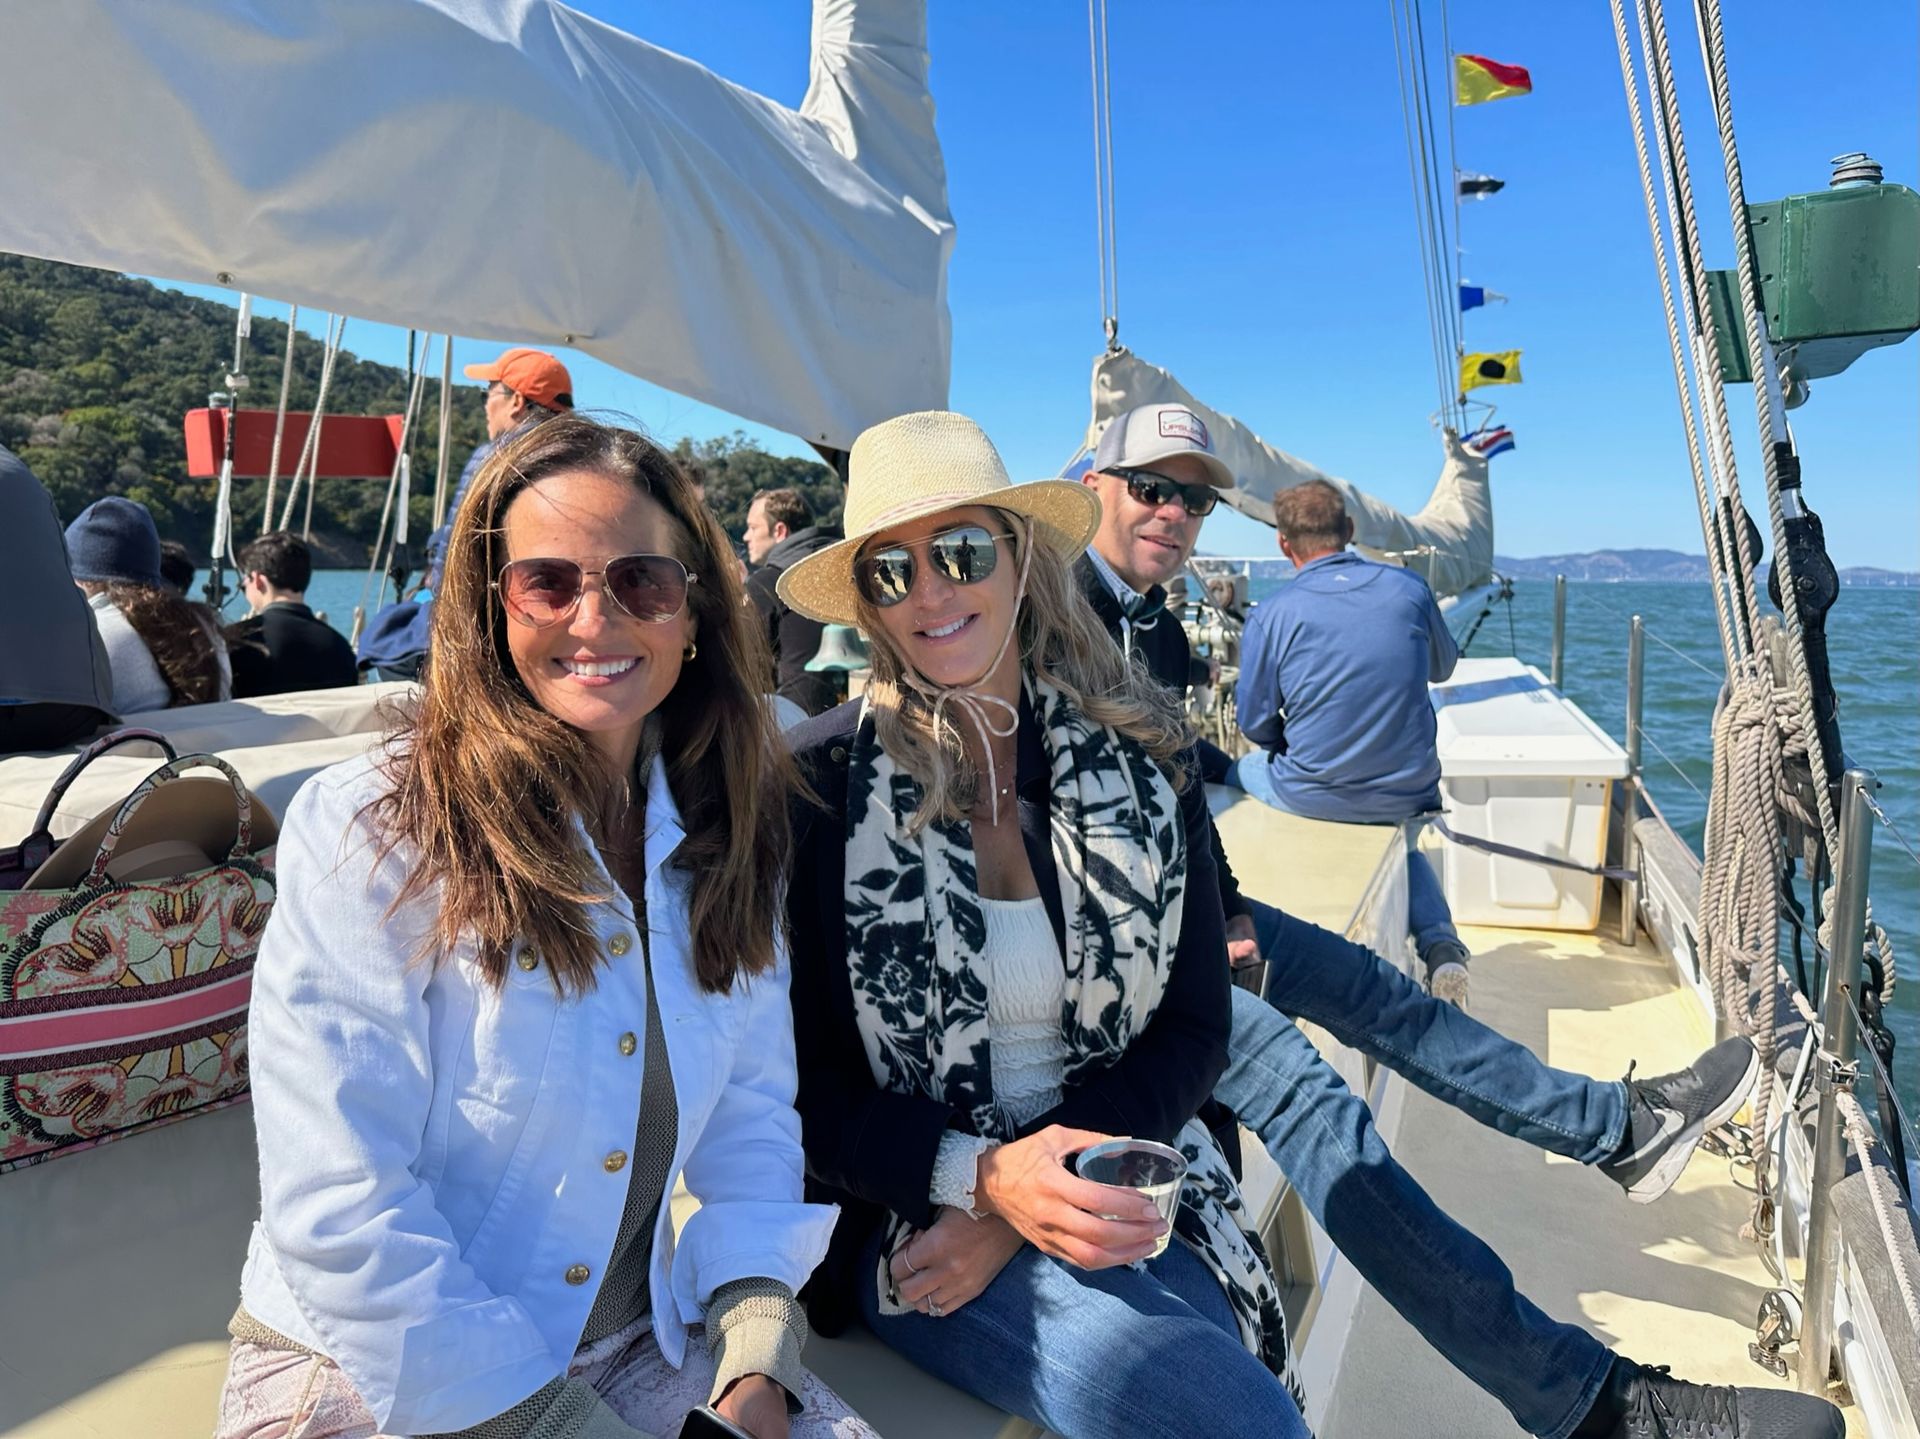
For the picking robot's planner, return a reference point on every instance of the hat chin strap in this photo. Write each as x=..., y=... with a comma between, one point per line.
x=966, y=698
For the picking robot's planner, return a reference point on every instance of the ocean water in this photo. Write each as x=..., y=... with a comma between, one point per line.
x=1875, y=644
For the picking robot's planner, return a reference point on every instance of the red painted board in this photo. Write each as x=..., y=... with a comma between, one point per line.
x=351, y=446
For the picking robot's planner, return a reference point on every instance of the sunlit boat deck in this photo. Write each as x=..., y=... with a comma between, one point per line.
x=1667, y=1283
x=124, y=1261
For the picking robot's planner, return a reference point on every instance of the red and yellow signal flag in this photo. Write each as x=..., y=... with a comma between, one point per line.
x=1477, y=79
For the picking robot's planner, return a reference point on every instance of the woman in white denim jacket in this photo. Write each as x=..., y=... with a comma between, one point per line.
x=524, y=972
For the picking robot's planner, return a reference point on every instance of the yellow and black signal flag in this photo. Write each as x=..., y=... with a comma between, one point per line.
x=1499, y=367
x=1476, y=80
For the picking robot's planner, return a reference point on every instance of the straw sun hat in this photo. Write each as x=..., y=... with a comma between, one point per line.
x=918, y=465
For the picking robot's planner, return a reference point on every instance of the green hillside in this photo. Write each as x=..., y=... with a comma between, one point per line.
x=97, y=371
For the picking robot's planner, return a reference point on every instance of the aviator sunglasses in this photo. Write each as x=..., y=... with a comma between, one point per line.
x=1154, y=490
x=964, y=555
x=541, y=592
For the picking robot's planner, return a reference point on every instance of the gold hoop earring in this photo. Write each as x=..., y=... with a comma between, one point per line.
x=691, y=650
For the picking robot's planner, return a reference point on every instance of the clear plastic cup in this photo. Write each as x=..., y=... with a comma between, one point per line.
x=1142, y=1165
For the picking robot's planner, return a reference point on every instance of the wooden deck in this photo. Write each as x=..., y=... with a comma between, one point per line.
x=1666, y=1283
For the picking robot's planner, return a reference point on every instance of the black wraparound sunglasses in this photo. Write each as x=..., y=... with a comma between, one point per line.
x=1153, y=489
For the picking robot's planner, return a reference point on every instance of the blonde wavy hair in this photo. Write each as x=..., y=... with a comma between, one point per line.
x=1059, y=640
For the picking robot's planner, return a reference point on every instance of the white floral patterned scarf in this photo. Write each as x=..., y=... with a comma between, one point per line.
x=915, y=929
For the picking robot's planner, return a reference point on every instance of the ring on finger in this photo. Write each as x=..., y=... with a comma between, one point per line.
x=934, y=1310
x=911, y=1267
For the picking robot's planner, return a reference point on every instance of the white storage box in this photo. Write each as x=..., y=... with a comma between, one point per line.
x=1522, y=766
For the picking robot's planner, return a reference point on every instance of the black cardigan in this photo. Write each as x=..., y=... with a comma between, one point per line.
x=871, y=1150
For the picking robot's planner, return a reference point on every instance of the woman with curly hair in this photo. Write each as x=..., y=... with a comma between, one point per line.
x=163, y=649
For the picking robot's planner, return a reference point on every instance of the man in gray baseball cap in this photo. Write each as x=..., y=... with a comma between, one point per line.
x=1158, y=477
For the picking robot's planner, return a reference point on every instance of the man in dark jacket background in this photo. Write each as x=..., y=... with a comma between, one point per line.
x=779, y=531
x=284, y=646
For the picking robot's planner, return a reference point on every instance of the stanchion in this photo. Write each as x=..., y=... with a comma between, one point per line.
x=1629, y=846
x=1834, y=1073
x=1559, y=628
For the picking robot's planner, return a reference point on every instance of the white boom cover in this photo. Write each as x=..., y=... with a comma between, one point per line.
x=510, y=170
x=1450, y=541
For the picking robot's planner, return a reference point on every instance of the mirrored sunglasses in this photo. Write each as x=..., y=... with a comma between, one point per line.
x=542, y=592
x=1153, y=490
x=964, y=555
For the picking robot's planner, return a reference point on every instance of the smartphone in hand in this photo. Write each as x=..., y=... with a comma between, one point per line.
x=707, y=1423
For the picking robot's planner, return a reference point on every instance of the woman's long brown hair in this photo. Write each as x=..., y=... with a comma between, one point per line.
x=485, y=785
x=179, y=636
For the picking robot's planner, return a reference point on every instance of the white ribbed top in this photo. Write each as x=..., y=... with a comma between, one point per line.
x=1026, y=985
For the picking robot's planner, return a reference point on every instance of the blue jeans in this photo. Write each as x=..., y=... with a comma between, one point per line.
x=1440, y=1277
x=1368, y=1005
x=1098, y=1354
x=1429, y=920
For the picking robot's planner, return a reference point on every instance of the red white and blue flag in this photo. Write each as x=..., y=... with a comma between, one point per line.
x=1488, y=443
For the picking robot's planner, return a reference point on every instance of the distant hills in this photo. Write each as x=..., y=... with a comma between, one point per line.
x=97, y=369
x=1623, y=567
x=1630, y=566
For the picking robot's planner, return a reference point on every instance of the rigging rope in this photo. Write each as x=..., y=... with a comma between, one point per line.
x=309, y=460
x=1446, y=256
x=1100, y=59
x=279, y=421
x=1775, y=443
x=1739, y=912
x=1709, y=530
x=396, y=486
x=1736, y=540
x=1426, y=214
x=223, y=495
x=443, y=466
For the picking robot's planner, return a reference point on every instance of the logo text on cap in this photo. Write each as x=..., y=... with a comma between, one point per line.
x=1184, y=425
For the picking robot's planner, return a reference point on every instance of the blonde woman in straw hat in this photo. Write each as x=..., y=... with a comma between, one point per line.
x=1008, y=948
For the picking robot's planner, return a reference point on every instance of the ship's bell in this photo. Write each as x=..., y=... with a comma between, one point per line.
x=842, y=647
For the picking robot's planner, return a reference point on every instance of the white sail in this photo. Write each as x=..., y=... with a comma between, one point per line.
x=1449, y=541
x=508, y=170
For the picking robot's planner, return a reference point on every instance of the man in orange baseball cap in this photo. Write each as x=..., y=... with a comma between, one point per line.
x=520, y=384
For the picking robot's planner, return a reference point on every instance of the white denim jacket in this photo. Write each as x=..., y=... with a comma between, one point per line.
x=436, y=1201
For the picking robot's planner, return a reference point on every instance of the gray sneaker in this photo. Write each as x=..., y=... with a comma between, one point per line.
x=1662, y=1407
x=1667, y=1117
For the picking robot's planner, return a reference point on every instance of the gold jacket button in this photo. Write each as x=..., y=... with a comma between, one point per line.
x=628, y=1043
x=528, y=958
x=616, y=1161
x=579, y=1274
x=620, y=943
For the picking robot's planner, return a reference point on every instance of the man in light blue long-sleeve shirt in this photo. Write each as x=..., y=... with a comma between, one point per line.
x=1333, y=687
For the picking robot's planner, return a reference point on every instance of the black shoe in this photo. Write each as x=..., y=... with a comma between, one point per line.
x=1662, y=1407
x=1666, y=1117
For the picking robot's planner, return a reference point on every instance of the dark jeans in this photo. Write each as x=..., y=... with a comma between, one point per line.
x=1440, y=1277
x=1149, y=1353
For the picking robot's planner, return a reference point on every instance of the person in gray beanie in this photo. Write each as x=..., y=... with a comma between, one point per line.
x=163, y=651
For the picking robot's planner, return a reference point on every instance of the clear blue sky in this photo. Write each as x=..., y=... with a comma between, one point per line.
x=1267, y=249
